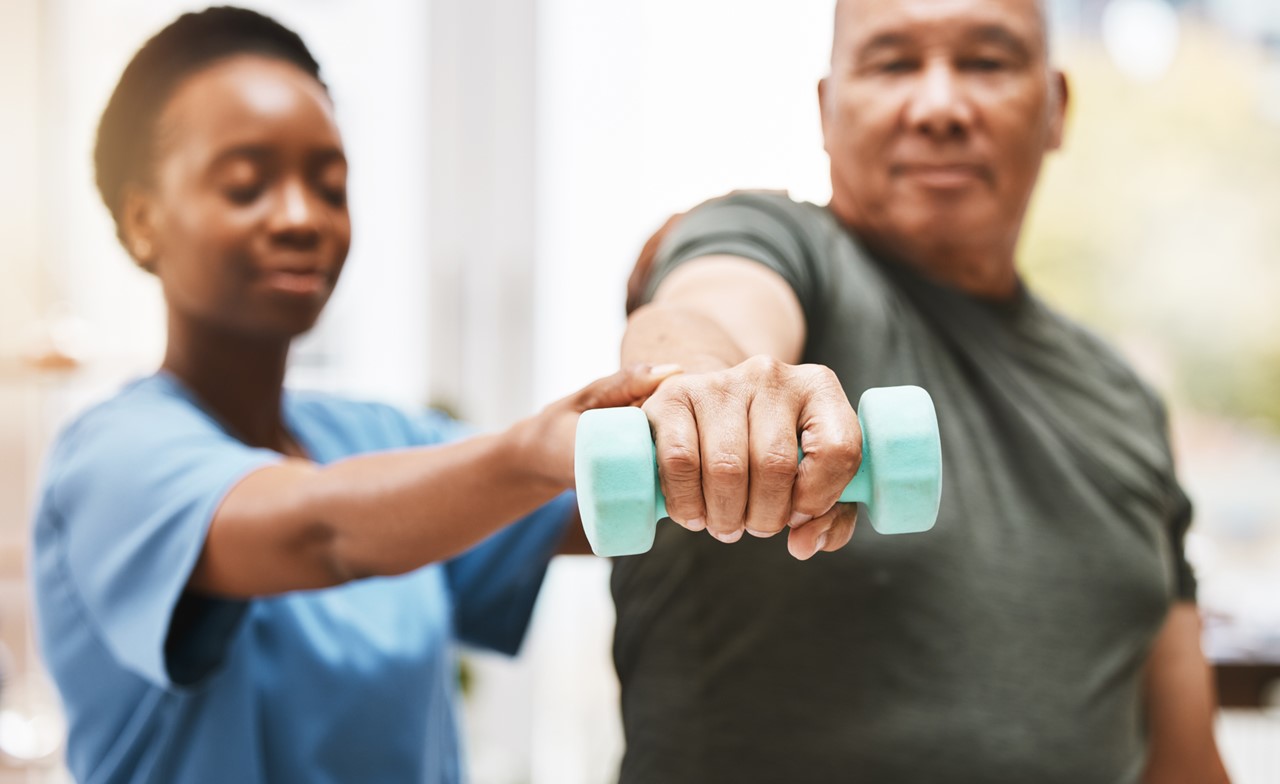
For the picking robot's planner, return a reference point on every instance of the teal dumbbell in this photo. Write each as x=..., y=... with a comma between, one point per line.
x=899, y=481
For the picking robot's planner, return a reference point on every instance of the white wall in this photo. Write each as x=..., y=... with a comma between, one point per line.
x=646, y=109
x=373, y=338
x=20, y=193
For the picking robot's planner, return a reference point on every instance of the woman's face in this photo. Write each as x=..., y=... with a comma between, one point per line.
x=245, y=221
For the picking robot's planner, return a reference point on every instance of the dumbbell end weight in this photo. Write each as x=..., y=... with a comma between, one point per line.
x=616, y=472
x=900, y=479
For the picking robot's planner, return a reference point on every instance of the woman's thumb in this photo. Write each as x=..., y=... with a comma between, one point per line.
x=626, y=386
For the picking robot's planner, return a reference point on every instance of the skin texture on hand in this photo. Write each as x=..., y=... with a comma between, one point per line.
x=727, y=442
x=728, y=429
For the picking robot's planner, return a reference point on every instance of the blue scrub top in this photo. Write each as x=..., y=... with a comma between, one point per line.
x=348, y=684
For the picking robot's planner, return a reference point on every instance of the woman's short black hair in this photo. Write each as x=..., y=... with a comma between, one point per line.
x=127, y=131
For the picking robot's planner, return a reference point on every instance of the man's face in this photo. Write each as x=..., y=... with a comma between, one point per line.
x=936, y=116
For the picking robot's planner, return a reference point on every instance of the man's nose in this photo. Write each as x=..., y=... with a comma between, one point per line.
x=938, y=106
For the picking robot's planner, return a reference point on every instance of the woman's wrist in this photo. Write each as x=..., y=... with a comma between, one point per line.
x=530, y=456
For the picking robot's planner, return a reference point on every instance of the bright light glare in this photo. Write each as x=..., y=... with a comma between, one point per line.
x=1141, y=36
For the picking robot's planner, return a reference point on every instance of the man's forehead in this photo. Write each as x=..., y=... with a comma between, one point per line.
x=857, y=20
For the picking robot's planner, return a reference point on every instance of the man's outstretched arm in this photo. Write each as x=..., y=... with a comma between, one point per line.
x=727, y=430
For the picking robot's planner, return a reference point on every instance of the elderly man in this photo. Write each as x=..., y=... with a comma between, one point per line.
x=1045, y=630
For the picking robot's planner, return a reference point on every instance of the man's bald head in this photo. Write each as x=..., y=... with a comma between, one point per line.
x=936, y=116
x=848, y=16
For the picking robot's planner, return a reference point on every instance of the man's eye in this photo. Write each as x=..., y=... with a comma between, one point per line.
x=982, y=64
x=897, y=66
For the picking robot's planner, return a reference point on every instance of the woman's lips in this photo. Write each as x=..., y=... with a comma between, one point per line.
x=298, y=281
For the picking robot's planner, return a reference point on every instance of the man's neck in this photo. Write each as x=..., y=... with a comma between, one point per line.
x=981, y=267
x=983, y=272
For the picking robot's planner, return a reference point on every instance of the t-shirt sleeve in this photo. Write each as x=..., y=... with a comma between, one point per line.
x=1178, y=509
x=1180, y=513
x=1176, y=506
x=765, y=227
x=495, y=584
x=131, y=490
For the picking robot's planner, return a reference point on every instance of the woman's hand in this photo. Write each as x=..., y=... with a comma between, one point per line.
x=546, y=439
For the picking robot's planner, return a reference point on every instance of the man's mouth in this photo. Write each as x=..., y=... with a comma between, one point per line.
x=942, y=176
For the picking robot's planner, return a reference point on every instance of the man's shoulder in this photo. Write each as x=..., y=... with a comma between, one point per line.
x=773, y=202
x=800, y=240
x=755, y=222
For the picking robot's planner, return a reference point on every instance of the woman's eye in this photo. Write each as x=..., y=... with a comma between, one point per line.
x=331, y=183
x=243, y=194
x=335, y=196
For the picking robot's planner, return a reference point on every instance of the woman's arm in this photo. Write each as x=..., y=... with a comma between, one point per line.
x=297, y=525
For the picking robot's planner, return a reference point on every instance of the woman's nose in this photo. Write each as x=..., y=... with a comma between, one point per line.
x=296, y=216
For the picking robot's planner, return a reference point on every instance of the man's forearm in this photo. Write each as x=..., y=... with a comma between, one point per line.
x=715, y=312
x=659, y=333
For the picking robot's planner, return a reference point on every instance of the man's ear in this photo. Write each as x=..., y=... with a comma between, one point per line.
x=1059, y=102
x=137, y=225
x=823, y=88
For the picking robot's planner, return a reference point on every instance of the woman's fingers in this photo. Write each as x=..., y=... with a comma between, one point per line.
x=627, y=387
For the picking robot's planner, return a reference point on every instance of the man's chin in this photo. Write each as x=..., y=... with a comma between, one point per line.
x=963, y=223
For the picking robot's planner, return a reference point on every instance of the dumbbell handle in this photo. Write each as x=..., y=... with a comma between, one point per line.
x=858, y=489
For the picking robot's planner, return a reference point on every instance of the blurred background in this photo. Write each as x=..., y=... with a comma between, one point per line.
x=508, y=160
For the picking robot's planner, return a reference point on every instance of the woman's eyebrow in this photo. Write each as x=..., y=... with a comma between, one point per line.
x=254, y=152
x=326, y=155
x=261, y=153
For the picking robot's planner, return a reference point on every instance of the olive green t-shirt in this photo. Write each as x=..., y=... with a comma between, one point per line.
x=1005, y=645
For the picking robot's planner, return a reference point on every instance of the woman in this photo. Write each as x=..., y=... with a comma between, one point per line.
x=236, y=583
